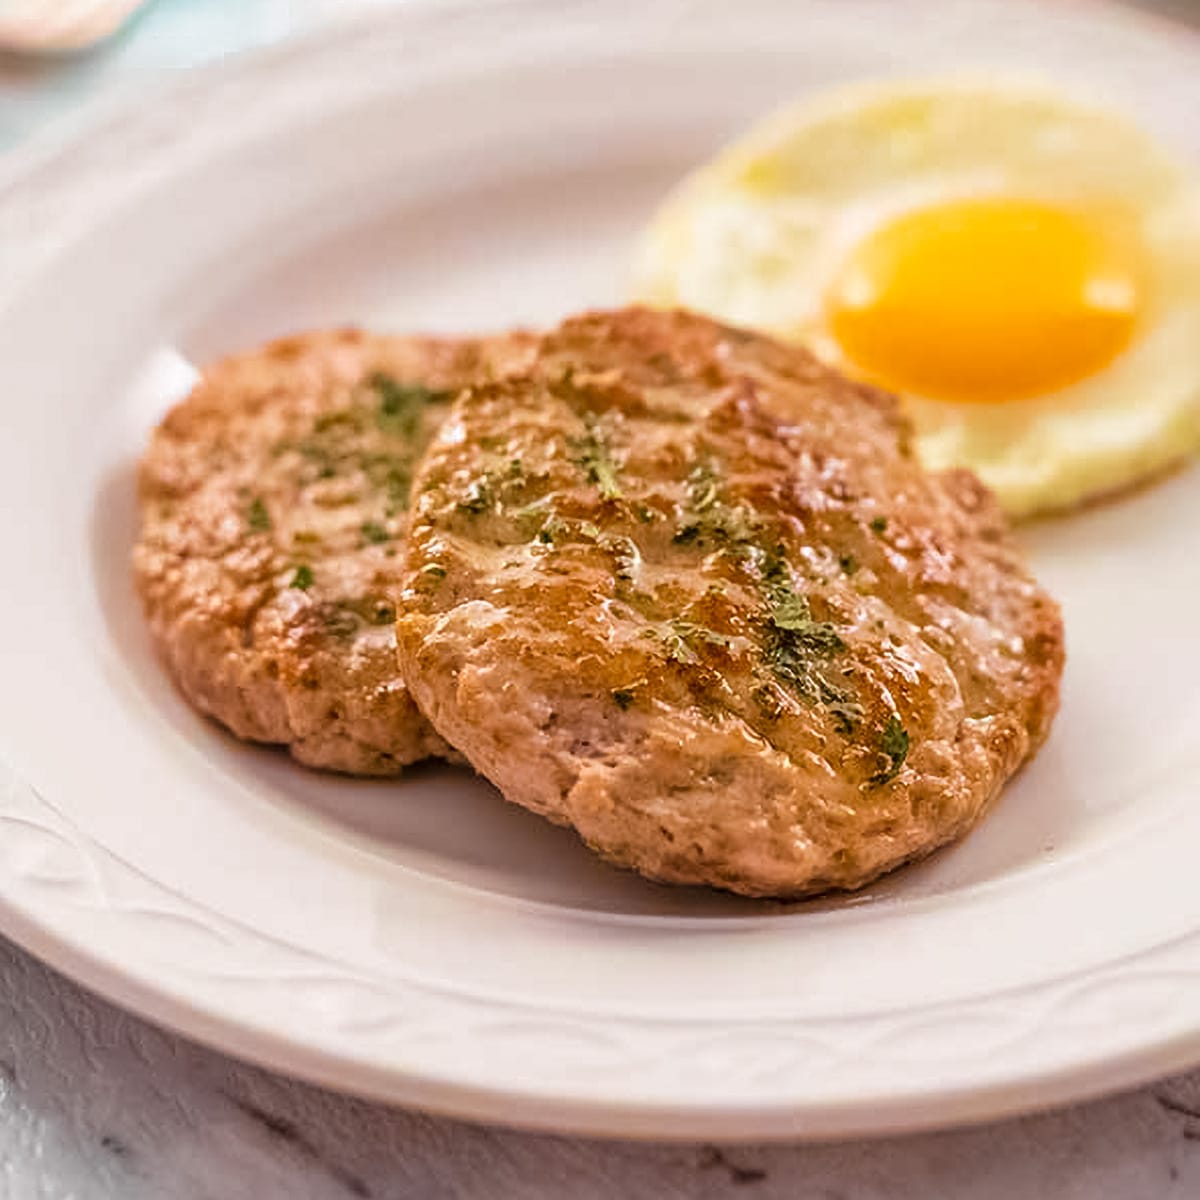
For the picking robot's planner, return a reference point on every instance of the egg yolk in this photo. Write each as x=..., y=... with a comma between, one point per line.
x=988, y=299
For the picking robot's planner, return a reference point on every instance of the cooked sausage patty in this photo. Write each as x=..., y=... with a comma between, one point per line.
x=688, y=591
x=274, y=504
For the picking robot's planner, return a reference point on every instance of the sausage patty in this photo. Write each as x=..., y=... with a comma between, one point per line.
x=684, y=589
x=274, y=504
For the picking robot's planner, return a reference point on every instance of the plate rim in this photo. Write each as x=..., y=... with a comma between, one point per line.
x=45, y=934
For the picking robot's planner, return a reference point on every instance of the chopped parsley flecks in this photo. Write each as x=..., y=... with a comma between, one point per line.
x=390, y=473
x=257, y=517
x=848, y=563
x=557, y=531
x=795, y=645
x=374, y=532
x=623, y=698
x=596, y=460
x=303, y=578
x=789, y=612
x=318, y=453
x=402, y=405
x=879, y=524
x=794, y=660
x=710, y=520
x=434, y=571
x=685, y=639
x=893, y=743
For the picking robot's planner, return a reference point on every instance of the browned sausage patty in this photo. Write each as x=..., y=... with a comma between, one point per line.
x=274, y=505
x=688, y=591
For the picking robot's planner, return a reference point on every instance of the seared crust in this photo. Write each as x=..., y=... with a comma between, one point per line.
x=686, y=590
x=273, y=505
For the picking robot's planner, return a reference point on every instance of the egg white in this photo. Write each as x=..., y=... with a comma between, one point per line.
x=756, y=236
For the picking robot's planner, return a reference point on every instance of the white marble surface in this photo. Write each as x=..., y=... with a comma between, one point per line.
x=97, y=1104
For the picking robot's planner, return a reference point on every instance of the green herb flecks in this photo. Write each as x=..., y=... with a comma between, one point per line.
x=893, y=743
x=795, y=646
x=303, y=577
x=316, y=450
x=434, y=571
x=557, y=531
x=257, y=517
x=794, y=659
x=595, y=460
x=879, y=524
x=391, y=474
x=622, y=698
x=789, y=612
x=402, y=405
x=685, y=641
x=374, y=533
x=848, y=563
x=709, y=520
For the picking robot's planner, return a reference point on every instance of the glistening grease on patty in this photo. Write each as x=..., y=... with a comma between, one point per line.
x=274, y=506
x=683, y=588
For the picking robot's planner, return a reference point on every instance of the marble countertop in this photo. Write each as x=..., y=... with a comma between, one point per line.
x=96, y=1104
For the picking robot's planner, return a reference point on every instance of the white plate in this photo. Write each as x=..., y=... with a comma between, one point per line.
x=455, y=167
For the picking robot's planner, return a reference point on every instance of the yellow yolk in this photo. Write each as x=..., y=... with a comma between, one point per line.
x=987, y=299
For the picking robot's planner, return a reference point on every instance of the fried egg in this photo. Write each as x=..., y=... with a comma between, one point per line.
x=1024, y=270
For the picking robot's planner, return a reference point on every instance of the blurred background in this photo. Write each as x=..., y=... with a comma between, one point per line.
x=55, y=72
